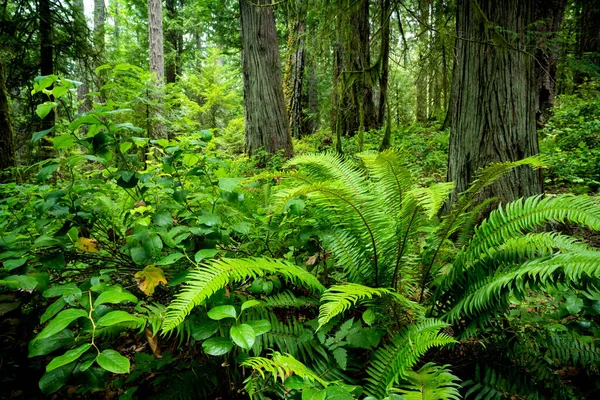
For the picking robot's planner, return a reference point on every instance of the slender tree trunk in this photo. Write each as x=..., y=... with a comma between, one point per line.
x=589, y=38
x=385, y=60
x=46, y=68
x=175, y=40
x=267, y=124
x=294, y=68
x=7, y=155
x=157, y=130
x=548, y=16
x=117, y=23
x=493, y=95
x=99, y=40
x=84, y=88
x=313, y=99
x=422, y=76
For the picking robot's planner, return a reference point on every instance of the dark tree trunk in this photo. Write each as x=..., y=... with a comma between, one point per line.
x=355, y=106
x=294, y=69
x=46, y=68
x=267, y=124
x=99, y=40
x=7, y=155
x=423, y=74
x=175, y=40
x=589, y=39
x=551, y=13
x=385, y=61
x=493, y=96
x=313, y=99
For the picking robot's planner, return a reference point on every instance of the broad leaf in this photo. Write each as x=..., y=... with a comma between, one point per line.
x=243, y=336
x=260, y=326
x=204, y=330
x=217, y=346
x=113, y=361
x=68, y=357
x=116, y=317
x=60, y=322
x=149, y=278
x=114, y=297
x=42, y=347
x=52, y=381
x=205, y=253
x=221, y=312
x=250, y=304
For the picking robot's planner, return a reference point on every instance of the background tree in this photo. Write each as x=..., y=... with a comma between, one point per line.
x=7, y=155
x=266, y=119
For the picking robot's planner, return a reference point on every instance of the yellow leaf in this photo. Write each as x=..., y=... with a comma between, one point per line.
x=149, y=278
x=87, y=245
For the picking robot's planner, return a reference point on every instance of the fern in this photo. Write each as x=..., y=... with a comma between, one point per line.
x=430, y=382
x=392, y=362
x=216, y=274
x=340, y=298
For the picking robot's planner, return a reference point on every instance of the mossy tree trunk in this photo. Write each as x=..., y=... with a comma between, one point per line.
x=157, y=130
x=7, y=155
x=266, y=122
x=385, y=61
x=294, y=68
x=174, y=37
x=423, y=72
x=494, y=96
x=46, y=68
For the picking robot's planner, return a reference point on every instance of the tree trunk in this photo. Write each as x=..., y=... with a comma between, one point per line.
x=46, y=68
x=155, y=38
x=175, y=40
x=356, y=109
x=83, y=89
x=493, y=95
x=589, y=39
x=422, y=76
x=157, y=130
x=551, y=13
x=99, y=41
x=294, y=68
x=266, y=120
x=385, y=60
x=7, y=155
x=313, y=99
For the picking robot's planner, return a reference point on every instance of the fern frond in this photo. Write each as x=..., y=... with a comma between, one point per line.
x=350, y=254
x=432, y=198
x=493, y=385
x=287, y=299
x=430, y=382
x=339, y=298
x=281, y=366
x=216, y=274
x=392, y=362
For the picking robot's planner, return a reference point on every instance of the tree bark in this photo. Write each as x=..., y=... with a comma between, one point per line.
x=46, y=68
x=294, y=68
x=155, y=38
x=355, y=106
x=313, y=99
x=7, y=155
x=385, y=60
x=422, y=76
x=266, y=120
x=548, y=16
x=83, y=89
x=589, y=39
x=493, y=96
x=175, y=39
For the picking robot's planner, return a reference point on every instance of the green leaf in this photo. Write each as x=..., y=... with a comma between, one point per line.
x=139, y=255
x=294, y=382
x=24, y=282
x=341, y=357
x=229, y=184
x=574, y=304
x=204, y=330
x=125, y=146
x=64, y=141
x=38, y=135
x=314, y=394
x=44, y=109
x=46, y=171
x=250, y=304
x=220, y=312
x=209, y=219
x=205, y=253
x=153, y=245
x=62, y=290
x=369, y=317
x=60, y=322
x=114, y=297
x=68, y=357
x=217, y=346
x=338, y=393
x=9, y=265
x=163, y=218
x=260, y=326
x=58, y=91
x=42, y=347
x=52, y=381
x=243, y=336
x=241, y=227
x=116, y=317
x=170, y=259
x=53, y=309
x=113, y=361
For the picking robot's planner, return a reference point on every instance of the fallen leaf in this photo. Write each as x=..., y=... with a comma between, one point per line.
x=149, y=278
x=312, y=259
x=153, y=342
x=87, y=245
x=140, y=203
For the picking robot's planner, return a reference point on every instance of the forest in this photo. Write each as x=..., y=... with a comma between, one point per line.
x=300, y=199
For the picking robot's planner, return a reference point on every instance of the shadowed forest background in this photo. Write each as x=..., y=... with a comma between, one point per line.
x=300, y=199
